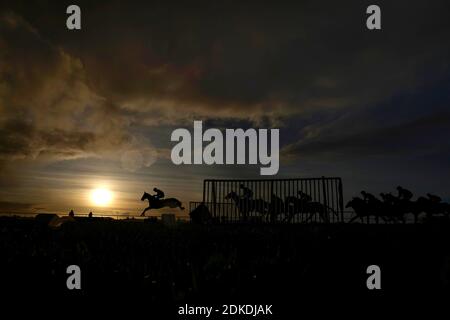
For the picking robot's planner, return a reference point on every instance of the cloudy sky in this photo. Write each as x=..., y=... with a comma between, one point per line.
x=95, y=107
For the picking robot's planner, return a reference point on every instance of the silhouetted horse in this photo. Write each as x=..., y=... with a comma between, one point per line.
x=293, y=205
x=154, y=203
x=304, y=205
x=362, y=209
x=432, y=206
x=374, y=205
x=314, y=208
x=276, y=207
x=404, y=194
x=394, y=209
x=246, y=205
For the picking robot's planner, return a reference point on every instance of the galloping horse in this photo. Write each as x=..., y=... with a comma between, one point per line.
x=362, y=210
x=154, y=203
x=305, y=206
x=245, y=205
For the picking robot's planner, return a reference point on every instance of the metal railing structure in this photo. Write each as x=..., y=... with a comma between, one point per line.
x=274, y=200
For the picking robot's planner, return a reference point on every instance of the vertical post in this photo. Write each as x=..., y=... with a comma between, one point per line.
x=227, y=206
x=204, y=185
x=325, y=201
x=214, y=198
x=341, y=200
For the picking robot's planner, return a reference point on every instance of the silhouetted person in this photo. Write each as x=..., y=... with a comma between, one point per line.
x=71, y=213
x=90, y=214
x=404, y=194
x=304, y=196
x=368, y=197
x=247, y=192
x=388, y=198
x=373, y=204
x=159, y=194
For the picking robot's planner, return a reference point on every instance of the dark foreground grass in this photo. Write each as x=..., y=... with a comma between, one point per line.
x=169, y=266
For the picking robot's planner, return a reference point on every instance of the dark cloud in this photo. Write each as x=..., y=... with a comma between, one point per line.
x=246, y=60
x=172, y=62
x=15, y=139
x=46, y=105
x=418, y=137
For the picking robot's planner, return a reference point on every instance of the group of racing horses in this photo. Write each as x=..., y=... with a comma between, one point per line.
x=395, y=208
x=390, y=208
x=278, y=209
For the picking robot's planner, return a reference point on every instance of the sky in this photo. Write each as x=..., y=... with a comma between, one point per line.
x=95, y=108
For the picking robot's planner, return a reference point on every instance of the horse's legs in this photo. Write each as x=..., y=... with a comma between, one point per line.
x=291, y=216
x=287, y=215
x=310, y=217
x=323, y=214
x=143, y=212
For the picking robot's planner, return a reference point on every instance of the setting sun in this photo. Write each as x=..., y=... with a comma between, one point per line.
x=101, y=197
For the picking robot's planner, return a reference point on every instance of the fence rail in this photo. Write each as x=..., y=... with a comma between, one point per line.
x=274, y=200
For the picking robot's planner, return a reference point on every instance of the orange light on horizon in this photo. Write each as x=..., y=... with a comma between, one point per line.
x=101, y=197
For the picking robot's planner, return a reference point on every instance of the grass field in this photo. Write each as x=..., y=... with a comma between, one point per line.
x=216, y=263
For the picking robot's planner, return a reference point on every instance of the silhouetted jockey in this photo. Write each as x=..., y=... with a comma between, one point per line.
x=247, y=192
x=71, y=213
x=433, y=198
x=159, y=194
x=304, y=196
x=388, y=198
x=404, y=194
x=368, y=197
x=372, y=204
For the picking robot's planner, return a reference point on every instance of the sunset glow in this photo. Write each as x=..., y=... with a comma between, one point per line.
x=101, y=197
